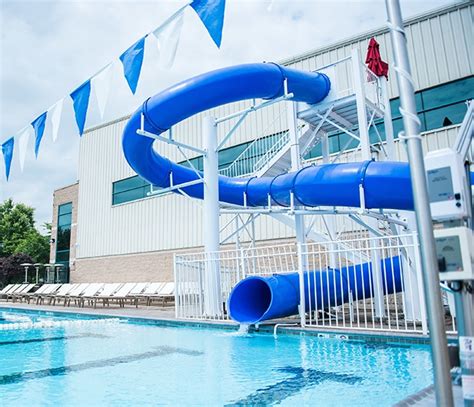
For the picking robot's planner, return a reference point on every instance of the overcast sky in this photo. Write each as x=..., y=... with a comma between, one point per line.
x=48, y=48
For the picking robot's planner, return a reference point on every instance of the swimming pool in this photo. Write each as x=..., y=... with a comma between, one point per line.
x=79, y=361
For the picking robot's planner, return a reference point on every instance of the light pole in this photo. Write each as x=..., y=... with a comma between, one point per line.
x=411, y=123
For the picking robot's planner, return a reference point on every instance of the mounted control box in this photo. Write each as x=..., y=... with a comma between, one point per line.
x=446, y=185
x=454, y=248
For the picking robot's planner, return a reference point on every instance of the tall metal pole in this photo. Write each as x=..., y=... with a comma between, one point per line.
x=299, y=219
x=411, y=123
x=212, y=285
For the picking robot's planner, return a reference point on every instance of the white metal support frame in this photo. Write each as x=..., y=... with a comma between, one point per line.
x=213, y=297
x=366, y=155
x=299, y=219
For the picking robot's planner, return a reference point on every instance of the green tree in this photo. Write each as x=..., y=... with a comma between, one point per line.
x=16, y=222
x=36, y=246
x=18, y=233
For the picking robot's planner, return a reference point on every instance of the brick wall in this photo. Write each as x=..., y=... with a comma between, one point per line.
x=137, y=267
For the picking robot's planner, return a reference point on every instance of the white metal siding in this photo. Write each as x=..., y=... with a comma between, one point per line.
x=443, y=43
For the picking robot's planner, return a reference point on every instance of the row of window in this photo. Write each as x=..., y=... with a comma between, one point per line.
x=63, y=239
x=437, y=107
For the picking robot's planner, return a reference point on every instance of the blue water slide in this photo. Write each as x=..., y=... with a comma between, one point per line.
x=256, y=299
x=385, y=184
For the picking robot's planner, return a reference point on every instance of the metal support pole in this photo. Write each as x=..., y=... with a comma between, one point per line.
x=299, y=219
x=213, y=297
x=411, y=123
x=330, y=220
x=359, y=81
x=387, y=120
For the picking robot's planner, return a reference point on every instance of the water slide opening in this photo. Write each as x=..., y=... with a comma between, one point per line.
x=250, y=300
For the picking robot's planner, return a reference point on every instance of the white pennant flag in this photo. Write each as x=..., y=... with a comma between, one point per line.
x=55, y=113
x=23, y=140
x=168, y=39
x=101, y=84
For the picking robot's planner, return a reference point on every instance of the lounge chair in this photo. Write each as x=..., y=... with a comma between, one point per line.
x=165, y=293
x=51, y=289
x=120, y=295
x=107, y=291
x=151, y=290
x=19, y=294
x=136, y=292
x=39, y=291
x=18, y=289
x=79, y=293
x=9, y=289
x=61, y=293
x=5, y=289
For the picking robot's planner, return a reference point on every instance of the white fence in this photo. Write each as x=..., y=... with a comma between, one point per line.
x=383, y=294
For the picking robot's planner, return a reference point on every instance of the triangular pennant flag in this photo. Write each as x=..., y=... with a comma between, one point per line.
x=168, y=36
x=7, y=150
x=211, y=13
x=101, y=85
x=54, y=113
x=132, y=60
x=80, y=99
x=23, y=140
x=38, y=125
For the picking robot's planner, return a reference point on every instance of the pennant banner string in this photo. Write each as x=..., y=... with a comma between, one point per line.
x=211, y=13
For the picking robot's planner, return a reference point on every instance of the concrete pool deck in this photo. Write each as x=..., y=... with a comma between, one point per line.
x=424, y=398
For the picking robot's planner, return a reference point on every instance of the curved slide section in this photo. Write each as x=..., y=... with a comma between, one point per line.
x=256, y=299
x=385, y=184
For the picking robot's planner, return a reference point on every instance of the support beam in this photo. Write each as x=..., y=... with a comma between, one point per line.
x=387, y=120
x=299, y=219
x=212, y=285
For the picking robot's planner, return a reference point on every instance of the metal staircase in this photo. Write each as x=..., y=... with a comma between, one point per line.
x=271, y=156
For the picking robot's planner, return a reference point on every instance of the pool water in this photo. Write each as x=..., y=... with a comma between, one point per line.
x=111, y=362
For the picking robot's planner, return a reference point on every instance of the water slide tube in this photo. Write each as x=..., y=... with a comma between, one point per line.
x=385, y=184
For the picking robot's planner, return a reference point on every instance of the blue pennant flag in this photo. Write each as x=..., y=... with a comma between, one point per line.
x=132, y=60
x=80, y=99
x=211, y=13
x=38, y=124
x=7, y=150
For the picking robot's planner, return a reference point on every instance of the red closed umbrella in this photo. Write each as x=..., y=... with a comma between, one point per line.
x=374, y=60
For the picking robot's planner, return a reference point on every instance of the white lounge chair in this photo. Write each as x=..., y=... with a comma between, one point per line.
x=151, y=290
x=75, y=292
x=39, y=291
x=61, y=293
x=17, y=290
x=91, y=290
x=136, y=292
x=9, y=289
x=5, y=289
x=51, y=289
x=19, y=294
x=120, y=295
x=106, y=292
x=165, y=293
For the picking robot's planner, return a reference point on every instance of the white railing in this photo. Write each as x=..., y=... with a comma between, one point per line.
x=384, y=295
x=256, y=155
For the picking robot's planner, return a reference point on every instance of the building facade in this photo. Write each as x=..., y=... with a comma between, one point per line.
x=119, y=232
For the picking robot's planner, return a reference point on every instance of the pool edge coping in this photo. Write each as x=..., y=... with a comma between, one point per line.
x=267, y=328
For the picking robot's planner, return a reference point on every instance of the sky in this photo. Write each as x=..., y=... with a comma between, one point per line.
x=48, y=48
